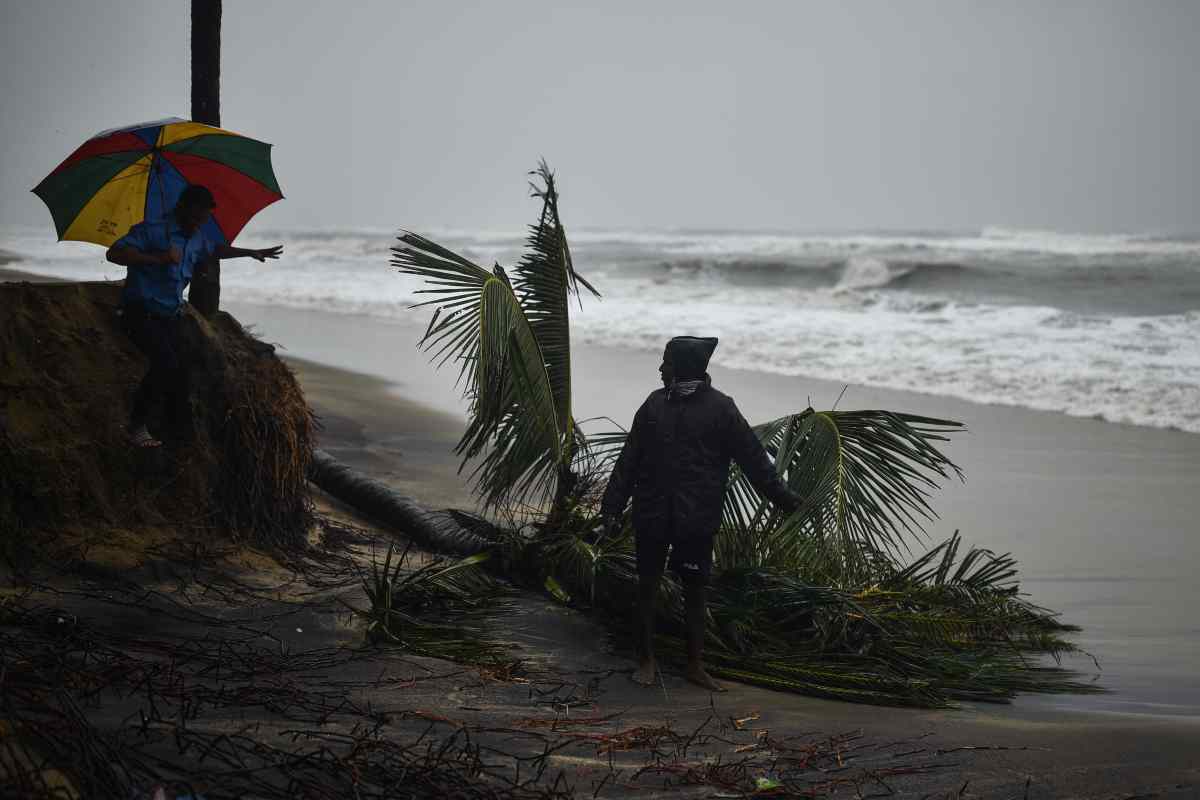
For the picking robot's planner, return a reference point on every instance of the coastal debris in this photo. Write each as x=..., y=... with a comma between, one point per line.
x=117, y=689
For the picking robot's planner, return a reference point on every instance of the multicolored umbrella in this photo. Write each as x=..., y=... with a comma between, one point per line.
x=123, y=176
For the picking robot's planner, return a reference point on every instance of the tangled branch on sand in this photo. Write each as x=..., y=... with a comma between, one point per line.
x=114, y=689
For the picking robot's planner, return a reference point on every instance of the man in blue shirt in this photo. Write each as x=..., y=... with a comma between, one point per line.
x=161, y=257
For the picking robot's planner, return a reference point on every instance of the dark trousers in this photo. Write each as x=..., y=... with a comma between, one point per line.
x=167, y=380
x=205, y=291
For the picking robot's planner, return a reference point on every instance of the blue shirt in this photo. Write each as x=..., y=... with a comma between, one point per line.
x=160, y=286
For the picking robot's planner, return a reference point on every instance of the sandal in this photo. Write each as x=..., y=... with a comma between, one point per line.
x=142, y=438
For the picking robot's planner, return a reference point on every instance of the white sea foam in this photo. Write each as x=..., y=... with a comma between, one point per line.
x=860, y=327
x=989, y=240
x=1143, y=371
x=865, y=272
x=999, y=240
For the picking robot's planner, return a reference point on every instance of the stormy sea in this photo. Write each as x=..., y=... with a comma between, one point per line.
x=1102, y=326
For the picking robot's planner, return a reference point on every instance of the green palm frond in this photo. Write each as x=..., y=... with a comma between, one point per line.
x=598, y=452
x=979, y=571
x=512, y=343
x=453, y=330
x=865, y=476
x=580, y=567
x=759, y=611
x=544, y=280
x=461, y=581
x=513, y=423
x=974, y=599
x=435, y=610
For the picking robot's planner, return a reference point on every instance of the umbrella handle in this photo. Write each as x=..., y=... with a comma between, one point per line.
x=156, y=165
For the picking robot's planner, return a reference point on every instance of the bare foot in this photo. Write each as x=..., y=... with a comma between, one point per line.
x=142, y=438
x=646, y=673
x=698, y=676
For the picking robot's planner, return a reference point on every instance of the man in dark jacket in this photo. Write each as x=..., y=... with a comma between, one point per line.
x=675, y=464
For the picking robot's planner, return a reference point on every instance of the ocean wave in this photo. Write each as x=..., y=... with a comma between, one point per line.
x=1143, y=371
x=1117, y=338
x=1140, y=370
x=867, y=272
x=997, y=241
x=856, y=274
x=1056, y=242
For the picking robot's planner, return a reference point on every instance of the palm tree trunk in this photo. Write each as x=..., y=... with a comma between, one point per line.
x=206, y=61
x=563, y=491
x=436, y=530
x=205, y=293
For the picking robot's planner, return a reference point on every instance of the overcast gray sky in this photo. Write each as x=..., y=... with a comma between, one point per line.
x=782, y=115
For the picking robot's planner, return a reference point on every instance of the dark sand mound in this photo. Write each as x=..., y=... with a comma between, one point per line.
x=67, y=377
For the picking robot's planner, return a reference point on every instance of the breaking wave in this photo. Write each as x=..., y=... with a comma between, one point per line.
x=1102, y=326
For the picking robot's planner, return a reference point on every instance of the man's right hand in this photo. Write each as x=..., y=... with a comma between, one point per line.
x=162, y=258
x=792, y=503
x=168, y=257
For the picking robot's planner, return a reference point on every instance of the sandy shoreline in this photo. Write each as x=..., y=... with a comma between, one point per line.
x=1099, y=515
x=1067, y=747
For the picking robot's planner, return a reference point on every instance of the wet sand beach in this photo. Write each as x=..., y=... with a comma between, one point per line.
x=1100, y=516
x=1091, y=746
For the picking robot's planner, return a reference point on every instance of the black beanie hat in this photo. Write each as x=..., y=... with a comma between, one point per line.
x=689, y=355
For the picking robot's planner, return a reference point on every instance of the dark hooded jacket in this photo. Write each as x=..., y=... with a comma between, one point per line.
x=676, y=459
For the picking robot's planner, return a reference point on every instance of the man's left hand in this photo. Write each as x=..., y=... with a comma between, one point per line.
x=611, y=525
x=269, y=252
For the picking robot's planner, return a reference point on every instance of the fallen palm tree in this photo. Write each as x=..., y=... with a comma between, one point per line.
x=436, y=530
x=820, y=601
